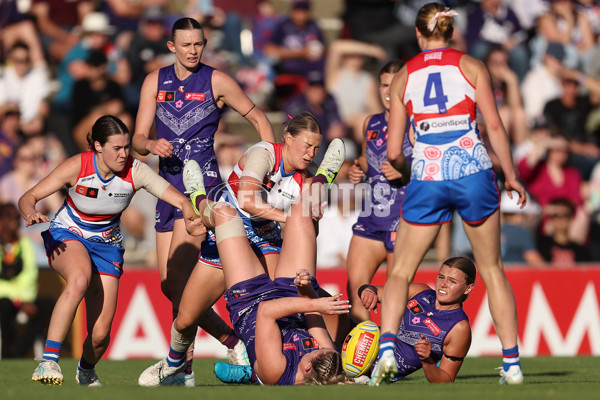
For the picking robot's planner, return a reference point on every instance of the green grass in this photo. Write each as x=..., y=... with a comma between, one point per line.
x=575, y=378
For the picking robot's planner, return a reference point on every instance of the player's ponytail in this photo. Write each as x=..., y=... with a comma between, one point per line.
x=326, y=370
x=435, y=20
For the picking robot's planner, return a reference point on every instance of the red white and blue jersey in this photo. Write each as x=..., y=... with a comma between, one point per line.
x=280, y=190
x=440, y=102
x=94, y=205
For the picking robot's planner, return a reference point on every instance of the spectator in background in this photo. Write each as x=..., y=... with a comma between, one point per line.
x=564, y=23
x=323, y=106
x=492, y=23
x=298, y=45
x=56, y=21
x=229, y=148
x=507, y=92
x=147, y=52
x=19, y=304
x=593, y=207
x=548, y=176
x=27, y=85
x=17, y=26
x=542, y=82
x=94, y=96
x=264, y=22
x=517, y=244
x=354, y=89
x=556, y=246
x=567, y=116
x=10, y=137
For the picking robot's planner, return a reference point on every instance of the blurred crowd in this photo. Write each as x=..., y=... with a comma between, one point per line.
x=64, y=63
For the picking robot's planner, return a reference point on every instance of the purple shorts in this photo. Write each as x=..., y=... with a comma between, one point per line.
x=474, y=197
x=387, y=237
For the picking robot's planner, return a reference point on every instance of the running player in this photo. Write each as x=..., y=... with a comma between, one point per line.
x=438, y=91
x=83, y=242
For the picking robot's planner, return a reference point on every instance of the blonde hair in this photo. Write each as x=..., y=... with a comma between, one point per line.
x=326, y=370
x=439, y=17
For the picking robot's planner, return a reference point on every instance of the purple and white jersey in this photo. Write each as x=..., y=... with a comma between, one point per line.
x=187, y=116
x=381, y=210
x=422, y=318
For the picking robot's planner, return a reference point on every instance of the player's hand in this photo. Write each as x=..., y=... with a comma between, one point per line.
x=515, y=185
x=161, y=147
x=303, y=278
x=355, y=173
x=369, y=300
x=390, y=173
x=193, y=223
x=423, y=348
x=317, y=210
x=36, y=218
x=332, y=305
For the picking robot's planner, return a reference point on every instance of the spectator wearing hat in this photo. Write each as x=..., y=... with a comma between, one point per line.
x=95, y=35
x=297, y=45
x=517, y=243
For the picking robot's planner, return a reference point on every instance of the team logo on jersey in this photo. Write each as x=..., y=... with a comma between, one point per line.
x=168, y=96
x=180, y=89
x=309, y=343
x=432, y=326
x=87, y=191
x=424, y=126
x=414, y=307
x=195, y=96
x=372, y=135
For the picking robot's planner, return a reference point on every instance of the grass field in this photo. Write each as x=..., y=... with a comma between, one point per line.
x=547, y=378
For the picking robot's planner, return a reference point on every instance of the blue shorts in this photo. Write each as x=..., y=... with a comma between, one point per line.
x=388, y=238
x=474, y=197
x=106, y=259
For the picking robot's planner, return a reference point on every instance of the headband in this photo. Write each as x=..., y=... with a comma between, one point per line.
x=446, y=13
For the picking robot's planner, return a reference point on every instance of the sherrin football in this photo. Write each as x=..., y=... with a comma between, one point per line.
x=360, y=348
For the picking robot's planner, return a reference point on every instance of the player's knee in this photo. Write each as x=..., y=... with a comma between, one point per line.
x=77, y=286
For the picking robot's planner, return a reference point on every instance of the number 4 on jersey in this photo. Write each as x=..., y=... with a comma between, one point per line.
x=434, y=93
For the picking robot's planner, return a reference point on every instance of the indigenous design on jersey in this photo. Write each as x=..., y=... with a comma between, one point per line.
x=422, y=318
x=440, y=102
x=187, y=116
x=280, y=190
x=93, y=206
x=296, y=343
x=382, y=207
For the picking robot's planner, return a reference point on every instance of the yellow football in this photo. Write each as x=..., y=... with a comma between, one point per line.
x=360, y=348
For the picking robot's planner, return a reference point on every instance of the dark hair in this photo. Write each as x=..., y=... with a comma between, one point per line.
x=97, y=58
x=302, y=122
x=186, y=24
x=391, y=67
x=493, y=49
x=465, y=265
x=105, y=127
x=326, y=370
x=444, y=27
x=563, y=202
x=5, y=208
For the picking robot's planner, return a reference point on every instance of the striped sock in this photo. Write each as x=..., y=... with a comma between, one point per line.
x=52, y=350
x=387, y=341
x=83, y=364
x=175, y=358
x=510, y=357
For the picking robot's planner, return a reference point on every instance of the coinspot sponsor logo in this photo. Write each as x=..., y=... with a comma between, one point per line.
x=460, y=122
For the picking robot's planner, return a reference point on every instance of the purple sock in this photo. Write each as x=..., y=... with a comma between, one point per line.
x=188, y=367
x=198, y=200
x=231, y=341
x=320, y=178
